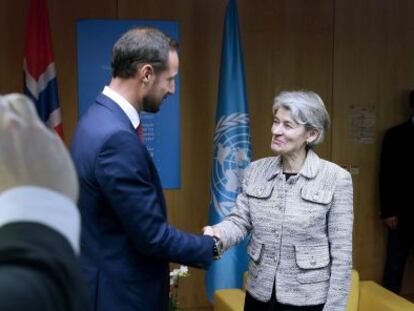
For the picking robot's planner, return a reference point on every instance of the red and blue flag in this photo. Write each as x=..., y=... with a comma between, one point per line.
x=39, y=66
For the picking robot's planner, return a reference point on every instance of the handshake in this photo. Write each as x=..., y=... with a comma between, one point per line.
x=219, y=243
x=211, y=231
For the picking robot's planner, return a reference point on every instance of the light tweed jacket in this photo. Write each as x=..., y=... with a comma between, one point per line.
x=301, y=232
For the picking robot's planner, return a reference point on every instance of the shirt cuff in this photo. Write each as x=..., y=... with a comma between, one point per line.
x=43, y=206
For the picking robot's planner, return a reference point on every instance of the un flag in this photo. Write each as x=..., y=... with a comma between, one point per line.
x=231, y=152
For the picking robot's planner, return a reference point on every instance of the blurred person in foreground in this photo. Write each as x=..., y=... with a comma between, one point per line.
x=39, y=221
x=298, y=209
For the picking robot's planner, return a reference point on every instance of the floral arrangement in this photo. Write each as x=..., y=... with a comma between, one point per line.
x=175, y=276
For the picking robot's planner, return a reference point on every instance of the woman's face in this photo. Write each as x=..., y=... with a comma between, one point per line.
x=288, y=137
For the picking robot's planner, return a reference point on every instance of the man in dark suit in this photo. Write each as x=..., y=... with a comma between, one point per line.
x=396, y=198
x=126, y=241
x=39, y=221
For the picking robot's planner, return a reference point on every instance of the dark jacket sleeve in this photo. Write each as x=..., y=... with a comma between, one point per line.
x=38, y=270
x=386, y=176
x=131, y=185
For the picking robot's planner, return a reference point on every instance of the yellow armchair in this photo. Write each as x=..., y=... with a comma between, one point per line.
x=364, y=296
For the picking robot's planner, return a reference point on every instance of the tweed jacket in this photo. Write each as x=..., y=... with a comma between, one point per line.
x=301, y=232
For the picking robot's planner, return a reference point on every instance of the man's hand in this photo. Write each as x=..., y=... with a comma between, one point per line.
x=391, y=222
x=31, y=154
x=212, y=231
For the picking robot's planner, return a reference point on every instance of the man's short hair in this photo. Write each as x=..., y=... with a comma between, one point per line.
x=139, y=46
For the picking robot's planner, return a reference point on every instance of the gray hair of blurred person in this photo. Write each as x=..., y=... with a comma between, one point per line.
x=307, y=109
x=139, y=46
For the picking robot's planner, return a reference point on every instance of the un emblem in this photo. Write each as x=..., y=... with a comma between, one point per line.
x=231, y=157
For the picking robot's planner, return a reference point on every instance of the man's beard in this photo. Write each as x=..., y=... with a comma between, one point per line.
x=150, y=104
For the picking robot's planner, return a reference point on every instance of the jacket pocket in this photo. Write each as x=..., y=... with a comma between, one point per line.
x=254, y=250
x=314, y=263
x=319, y=196
x=259, y=191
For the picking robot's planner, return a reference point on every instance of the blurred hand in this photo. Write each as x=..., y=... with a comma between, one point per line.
x=30, y=154
x=391, y=222
x=208, y=230
x=211, y=231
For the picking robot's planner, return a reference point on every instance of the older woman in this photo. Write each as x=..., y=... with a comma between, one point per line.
x=299, y=211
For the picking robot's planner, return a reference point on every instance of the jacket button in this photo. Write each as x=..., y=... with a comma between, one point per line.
x=313, y=261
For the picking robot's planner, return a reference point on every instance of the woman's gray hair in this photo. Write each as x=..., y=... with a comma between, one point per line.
x=307, y=109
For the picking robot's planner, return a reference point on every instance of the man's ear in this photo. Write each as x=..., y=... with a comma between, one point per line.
x=146, y=73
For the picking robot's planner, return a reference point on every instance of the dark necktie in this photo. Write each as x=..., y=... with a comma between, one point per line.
x=139, y=132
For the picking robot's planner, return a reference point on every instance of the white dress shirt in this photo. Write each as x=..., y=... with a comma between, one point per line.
x=125, y=105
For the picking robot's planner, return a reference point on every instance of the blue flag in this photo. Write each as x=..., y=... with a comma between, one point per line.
x=231, y=152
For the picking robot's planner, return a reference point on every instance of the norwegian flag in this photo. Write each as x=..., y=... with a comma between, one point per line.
x=39, y=67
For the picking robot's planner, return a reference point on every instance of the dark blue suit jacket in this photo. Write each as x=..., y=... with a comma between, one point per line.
x=126, y=241
x=396, y=175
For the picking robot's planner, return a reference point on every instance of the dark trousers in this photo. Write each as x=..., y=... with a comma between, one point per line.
x=252, y=304
x=399, y=244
